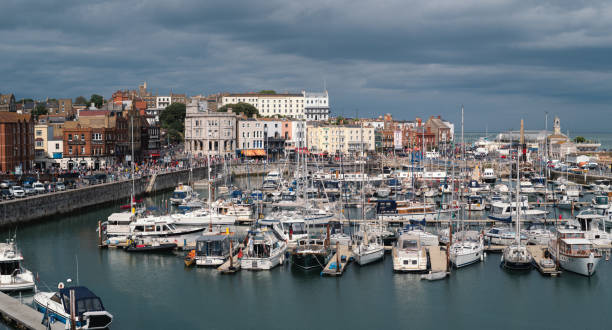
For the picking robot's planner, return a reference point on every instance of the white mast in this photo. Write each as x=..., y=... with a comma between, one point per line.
x=518, y=203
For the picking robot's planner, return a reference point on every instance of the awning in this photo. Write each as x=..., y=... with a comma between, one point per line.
x=253, y=152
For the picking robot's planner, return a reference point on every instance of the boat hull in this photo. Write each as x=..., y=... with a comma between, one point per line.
x=585, y=266
x=309, y=261
x=364, y=257
x=465, y=259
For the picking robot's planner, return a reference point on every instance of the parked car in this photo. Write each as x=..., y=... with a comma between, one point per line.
x=90, y=180
x=60, y=186
x=6, y=194
x=39, y=188
x=28, y=189
x=101, y=178
x=5, y=184
x=17, y=192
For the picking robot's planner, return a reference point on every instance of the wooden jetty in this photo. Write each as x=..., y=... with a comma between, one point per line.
x=232, y=265
x=437, y=259
x=494, y=248
x=337, y=264
x=22, y=316
x=538, y=253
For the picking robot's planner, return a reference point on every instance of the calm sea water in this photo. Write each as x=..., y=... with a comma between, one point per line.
x=157, y=292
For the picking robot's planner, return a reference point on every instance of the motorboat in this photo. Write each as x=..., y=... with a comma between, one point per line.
x=201, y=218
x=159, y=227
x=501, y=188
x=181, y=194
x=600, y=202
x=408, y=256
x=212, y=249
x=474, y=187
x=13, y=276
x=265, y=248
x=424, y=238
x=593, y=226
x=89, y=311
x=573, y=190
x=527, y=187
x=502, y=211
x=574, y=252
x=475, y=203
x=488, y=176
x=539, y=235
x=388, y=209
x=116, y=228
x=149, y=245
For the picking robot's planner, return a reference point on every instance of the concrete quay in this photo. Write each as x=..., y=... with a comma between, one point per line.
x=19, y=211
x=21, y=316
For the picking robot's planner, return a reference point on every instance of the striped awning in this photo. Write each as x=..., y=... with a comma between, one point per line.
x=253, y=152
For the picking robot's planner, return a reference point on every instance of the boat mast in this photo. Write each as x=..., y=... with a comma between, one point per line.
x=209, y=194
x=133, y=199
x=518, y=202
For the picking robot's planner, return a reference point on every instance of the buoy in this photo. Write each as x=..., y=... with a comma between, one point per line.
x=60, y=285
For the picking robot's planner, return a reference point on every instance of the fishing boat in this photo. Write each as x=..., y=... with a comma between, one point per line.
x=408, y=256
x=212, y=249
x=265, y=249
x=89, y=312
x=311, y=253
x=574, y=252
x=13, y=276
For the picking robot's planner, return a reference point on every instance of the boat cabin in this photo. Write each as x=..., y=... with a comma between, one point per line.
x=216, y=245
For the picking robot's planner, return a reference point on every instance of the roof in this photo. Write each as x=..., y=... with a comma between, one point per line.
x=572, y=241
x=121, y=216
x=264, y=95
x=12, y=117
x=94, y=113
x=212, y=238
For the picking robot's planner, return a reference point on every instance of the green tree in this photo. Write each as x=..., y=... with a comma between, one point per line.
x=172, y=119
x=80, y=100
x=579, y=139
x=248, y=109
x=96, y=99
x=40, y=109
x=267, y=91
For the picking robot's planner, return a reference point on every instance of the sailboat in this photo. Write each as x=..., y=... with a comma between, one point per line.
x=516, y=256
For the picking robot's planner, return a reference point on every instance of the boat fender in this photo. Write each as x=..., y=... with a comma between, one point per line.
x=60, y=285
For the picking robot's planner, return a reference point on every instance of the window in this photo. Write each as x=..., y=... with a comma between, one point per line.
x=38, y=132
x=83, y=137
x=69, y=137
x=82, y=150
x=39, y=143
x=57, y=146
x=70, y=150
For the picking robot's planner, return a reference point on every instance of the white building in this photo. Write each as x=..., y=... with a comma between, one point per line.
x=163, y=101
x=288, y=105
x=316, y=106
x=250, y=137
x=208, y=132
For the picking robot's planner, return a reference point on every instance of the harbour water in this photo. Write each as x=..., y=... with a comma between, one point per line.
x=156, y=291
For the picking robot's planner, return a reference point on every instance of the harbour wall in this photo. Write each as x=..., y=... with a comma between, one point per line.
x=18, y=211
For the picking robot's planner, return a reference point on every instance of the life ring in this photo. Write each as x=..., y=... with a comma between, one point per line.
x=60, y=285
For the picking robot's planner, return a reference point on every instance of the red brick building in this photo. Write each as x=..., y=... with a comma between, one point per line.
x=16, y=141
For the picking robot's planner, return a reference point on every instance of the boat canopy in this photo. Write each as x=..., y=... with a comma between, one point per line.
x=85, y=300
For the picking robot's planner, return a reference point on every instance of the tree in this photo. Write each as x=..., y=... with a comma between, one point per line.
x=579, y=139
x=80, y=100
x=40, y=109
x=97, y=100
x=267, y=91
x=172, y=119
x=248, y=109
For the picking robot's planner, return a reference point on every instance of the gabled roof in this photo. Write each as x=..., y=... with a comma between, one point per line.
x=13, y=117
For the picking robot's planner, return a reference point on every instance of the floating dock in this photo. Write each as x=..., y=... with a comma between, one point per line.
x=22, y=316
x=232, y=265
x=494, y=248
x=337, y=264
x=538, y=253
x=437, y=259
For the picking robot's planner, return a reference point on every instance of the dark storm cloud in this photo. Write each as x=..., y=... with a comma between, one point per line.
x=503, y=59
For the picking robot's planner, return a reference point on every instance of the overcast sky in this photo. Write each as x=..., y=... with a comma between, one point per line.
x=503, y=60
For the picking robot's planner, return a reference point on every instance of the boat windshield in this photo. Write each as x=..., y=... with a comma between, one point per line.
x=9, y=268
x=299, y=228
x=179, y=194
x=410, y=244
x=601, y=200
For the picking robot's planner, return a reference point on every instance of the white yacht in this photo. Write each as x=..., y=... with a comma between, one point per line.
x=116, y=228
x=502, y=236
x=408, y=255
x=202, y=217
x=466, y=252
x=475, y=203
x=89, y=310
x=265, y=249
x=488, y=176
x=182, y=194
x=574, y=252
x=13, y=276
x=424, y=238
x=539, y=235
x=160, y=227
x=369, y=249
x=271, y=181
x=527, y=187
x=593, y=226
x=502, y=211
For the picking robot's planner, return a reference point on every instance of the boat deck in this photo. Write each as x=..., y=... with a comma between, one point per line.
x=538, y=254
x=337, y=264
x=437, y=259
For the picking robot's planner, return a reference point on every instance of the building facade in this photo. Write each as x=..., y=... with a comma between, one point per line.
x=250, y=138
x=7, y=103
x=336, y=139
x=292, y=105
x=208, y=132
x=16, y=142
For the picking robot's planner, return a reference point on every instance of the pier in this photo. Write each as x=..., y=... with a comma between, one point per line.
x=22, y=316
x=437, y=259
x=337, y=264
x=538, y=253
